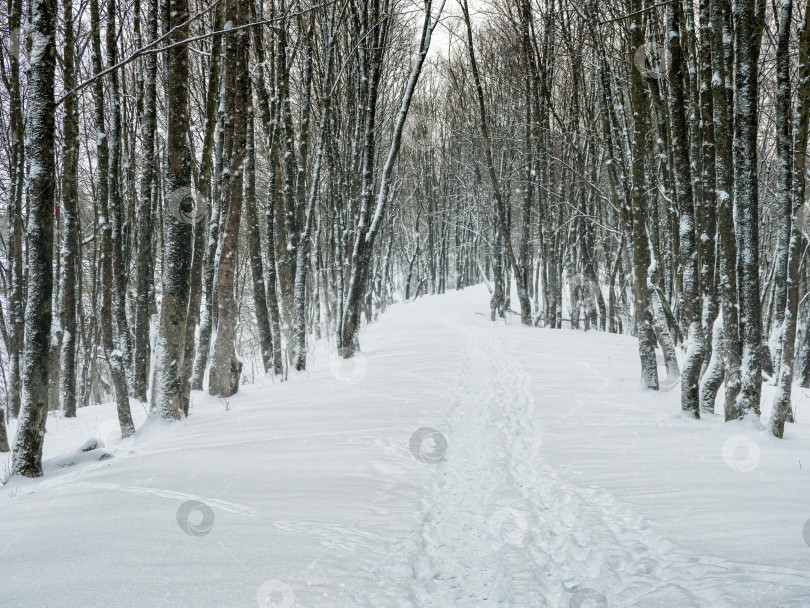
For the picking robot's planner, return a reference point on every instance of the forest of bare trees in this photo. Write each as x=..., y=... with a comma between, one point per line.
x=195, y=192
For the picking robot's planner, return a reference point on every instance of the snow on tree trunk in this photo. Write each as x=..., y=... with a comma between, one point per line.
x=784, y=176
x=369, y=225
x=727, y=241
x=115, y=214
x=713, y=376
x=113, y=355
x=781, y=411
x=255, y=253
x=690, y=378
x=638, y=216
x=70, y=245
x=302, y=248
x=144, y=264
x=226, y=368
x=39, y=148
x=749, y=23
x=16, y=302
x=167, y=380
x=707, y=237
x=268, y=113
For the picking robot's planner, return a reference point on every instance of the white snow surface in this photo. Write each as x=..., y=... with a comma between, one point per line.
x=554, y=480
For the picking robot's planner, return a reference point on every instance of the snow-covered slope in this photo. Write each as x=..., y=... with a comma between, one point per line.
x=456, y=463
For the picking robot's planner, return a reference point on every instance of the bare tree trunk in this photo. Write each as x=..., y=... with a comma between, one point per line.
x=254, y=244
x=16, y=302
x=747, y=37
x=167, y=381
x=707, y=241
x=226, y=368
x=784, y=175
x=302, y=247
x=115, y=214
x=696, y=346
x=70, y=245
x=144, y=264
x=113, y=355
x=369, y=225
x=713, y=376
x=638, y=213
x=27, y=457
x=727, y=241
x=781, y=411
x=3, y=434
x=268, y=114
x=500, y=207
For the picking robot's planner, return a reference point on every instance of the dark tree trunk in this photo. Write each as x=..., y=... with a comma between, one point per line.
x=144, y=264
x=638, y=215
x=113, y=355
x=747, y=37
x=226, y=368
x=115, y=214
x=70, y=244
x=782, y=411
x=696, y=346
x=168, y=383
x=254, y=244
x=27, y=457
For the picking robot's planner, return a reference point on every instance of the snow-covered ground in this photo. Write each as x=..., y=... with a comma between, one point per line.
x=455, y=463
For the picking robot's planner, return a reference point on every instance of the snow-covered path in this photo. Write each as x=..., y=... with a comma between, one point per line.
x=457, y=463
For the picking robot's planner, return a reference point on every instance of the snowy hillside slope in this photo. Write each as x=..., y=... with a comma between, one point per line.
x=455, y=463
